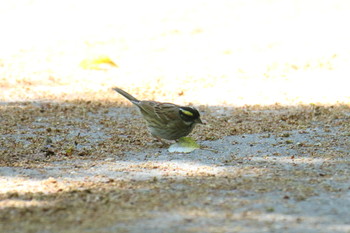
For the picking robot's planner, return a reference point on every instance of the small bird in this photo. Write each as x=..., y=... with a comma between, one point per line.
x=165, y=120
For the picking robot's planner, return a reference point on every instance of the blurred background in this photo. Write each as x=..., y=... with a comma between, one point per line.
x=223, y=52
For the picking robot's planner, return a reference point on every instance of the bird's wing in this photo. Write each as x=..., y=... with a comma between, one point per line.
x=164, y=112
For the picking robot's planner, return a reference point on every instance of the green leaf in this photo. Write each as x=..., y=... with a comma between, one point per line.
x=184, y=145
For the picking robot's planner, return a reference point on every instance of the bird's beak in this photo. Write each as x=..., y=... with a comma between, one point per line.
x=199, y=121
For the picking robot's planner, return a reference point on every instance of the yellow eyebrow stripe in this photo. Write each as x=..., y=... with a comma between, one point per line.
x=188, y=113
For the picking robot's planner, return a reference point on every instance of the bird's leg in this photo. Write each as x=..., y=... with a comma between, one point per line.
x=164, y=144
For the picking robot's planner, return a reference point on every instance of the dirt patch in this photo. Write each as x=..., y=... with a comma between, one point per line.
x=81, y=166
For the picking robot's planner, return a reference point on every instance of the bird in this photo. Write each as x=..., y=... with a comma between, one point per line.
x=165, y=120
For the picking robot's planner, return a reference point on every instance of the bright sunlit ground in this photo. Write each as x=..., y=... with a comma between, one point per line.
x=201, y=52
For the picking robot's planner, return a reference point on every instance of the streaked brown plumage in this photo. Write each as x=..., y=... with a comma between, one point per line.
x=165, y=120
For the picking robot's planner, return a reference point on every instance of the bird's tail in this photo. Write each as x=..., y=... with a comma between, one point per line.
x=126, y=95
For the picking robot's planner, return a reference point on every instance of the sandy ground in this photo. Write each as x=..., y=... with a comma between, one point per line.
x=270, y=78
x=264, y=169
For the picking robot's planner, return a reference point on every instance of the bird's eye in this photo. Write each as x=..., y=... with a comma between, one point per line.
x=188, y=113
